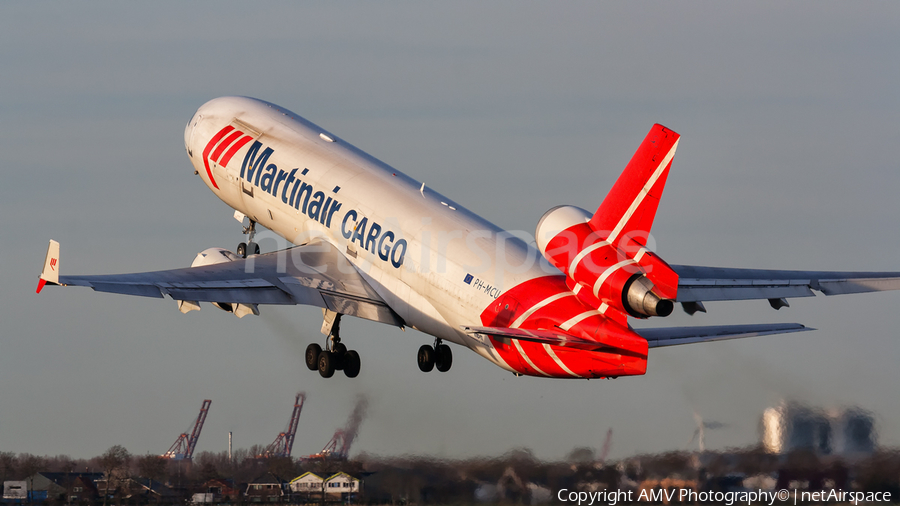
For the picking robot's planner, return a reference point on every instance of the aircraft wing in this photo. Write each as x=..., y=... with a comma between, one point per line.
x=656, y=337
x=315, y=274
x=697, y=284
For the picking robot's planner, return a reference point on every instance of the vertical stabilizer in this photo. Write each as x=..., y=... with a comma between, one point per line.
x=630, y=206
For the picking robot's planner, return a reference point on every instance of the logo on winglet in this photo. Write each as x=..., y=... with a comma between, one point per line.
x=53, y=263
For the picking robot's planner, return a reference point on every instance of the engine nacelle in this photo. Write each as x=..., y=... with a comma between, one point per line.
x=624, y=275
x=212, y=256
x=557, y=220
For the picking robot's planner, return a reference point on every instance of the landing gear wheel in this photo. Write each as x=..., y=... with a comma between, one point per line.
x=426, y=358
x=338, y=353
x=312, y=356
x=326, y=364
x=250, y=247
x=351, y=364
x=444, y=358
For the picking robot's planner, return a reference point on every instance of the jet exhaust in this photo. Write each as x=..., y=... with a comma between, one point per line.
x=640, y=301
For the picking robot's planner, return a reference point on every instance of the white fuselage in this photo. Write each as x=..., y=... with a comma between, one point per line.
x=438, y=265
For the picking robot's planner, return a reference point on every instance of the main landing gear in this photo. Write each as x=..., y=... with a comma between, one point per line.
x=438, y=356
x=335, y=356
x=249, y=247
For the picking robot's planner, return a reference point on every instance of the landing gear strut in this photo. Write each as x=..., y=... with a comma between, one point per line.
x=335, y=356
x=438, y=356
x=249, y=247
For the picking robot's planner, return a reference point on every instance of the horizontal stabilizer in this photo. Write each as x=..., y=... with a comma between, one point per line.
x=550, y=337
x=697, y=283
x=671, y=336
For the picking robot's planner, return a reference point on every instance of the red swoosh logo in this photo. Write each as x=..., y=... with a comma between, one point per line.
x=212, y=142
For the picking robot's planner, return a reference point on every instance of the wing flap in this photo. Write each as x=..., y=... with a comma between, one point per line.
x=269, y=295
x=672, y=336
x=361, y=308
x=126, y=289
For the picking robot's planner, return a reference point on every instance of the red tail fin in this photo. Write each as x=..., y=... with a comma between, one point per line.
x=629, y=208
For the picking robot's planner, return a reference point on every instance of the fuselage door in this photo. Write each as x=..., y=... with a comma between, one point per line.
x=250, y=135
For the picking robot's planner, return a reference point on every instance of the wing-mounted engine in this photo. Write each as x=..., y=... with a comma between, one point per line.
x=604, y=254
x=211, y=256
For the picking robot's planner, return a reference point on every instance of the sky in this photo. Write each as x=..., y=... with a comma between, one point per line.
x=788, y=116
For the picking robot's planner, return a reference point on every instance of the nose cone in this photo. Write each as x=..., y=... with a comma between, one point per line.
x=189, y=134
x=187, y=137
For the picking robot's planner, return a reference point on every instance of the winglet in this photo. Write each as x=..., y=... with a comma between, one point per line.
x=50, y=273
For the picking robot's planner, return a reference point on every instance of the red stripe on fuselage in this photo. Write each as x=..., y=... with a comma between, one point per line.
x=212, y=142
x=224, y=144
x=626, y=355
x=518, y=301
x=234, y=148
x=538, y=354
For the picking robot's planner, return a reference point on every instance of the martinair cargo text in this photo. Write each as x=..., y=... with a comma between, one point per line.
x=371, y=242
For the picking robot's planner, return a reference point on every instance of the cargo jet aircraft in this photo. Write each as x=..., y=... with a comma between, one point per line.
x=373, y=243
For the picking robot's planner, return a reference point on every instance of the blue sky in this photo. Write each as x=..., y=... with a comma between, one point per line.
x=788, y=116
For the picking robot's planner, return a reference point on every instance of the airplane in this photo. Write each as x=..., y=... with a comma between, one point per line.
x=373, y=243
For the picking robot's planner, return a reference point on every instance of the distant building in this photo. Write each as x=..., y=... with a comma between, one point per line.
x=307, y=487
x=137, y=488
x=341, y=487
x=793, y=426
x=83, y=490
x=61, y=486
x=15, y=491
x=222, y=490
x=203, y=498
x=266, y=488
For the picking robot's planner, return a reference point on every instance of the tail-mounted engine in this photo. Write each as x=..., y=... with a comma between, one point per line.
x=620, y=273
x=638, y=297
x=212, y=256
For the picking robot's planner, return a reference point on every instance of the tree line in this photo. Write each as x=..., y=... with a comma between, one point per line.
x=425, y=479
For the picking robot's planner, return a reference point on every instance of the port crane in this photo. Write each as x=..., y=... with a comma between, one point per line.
x=183, y=447
x=284, y=443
